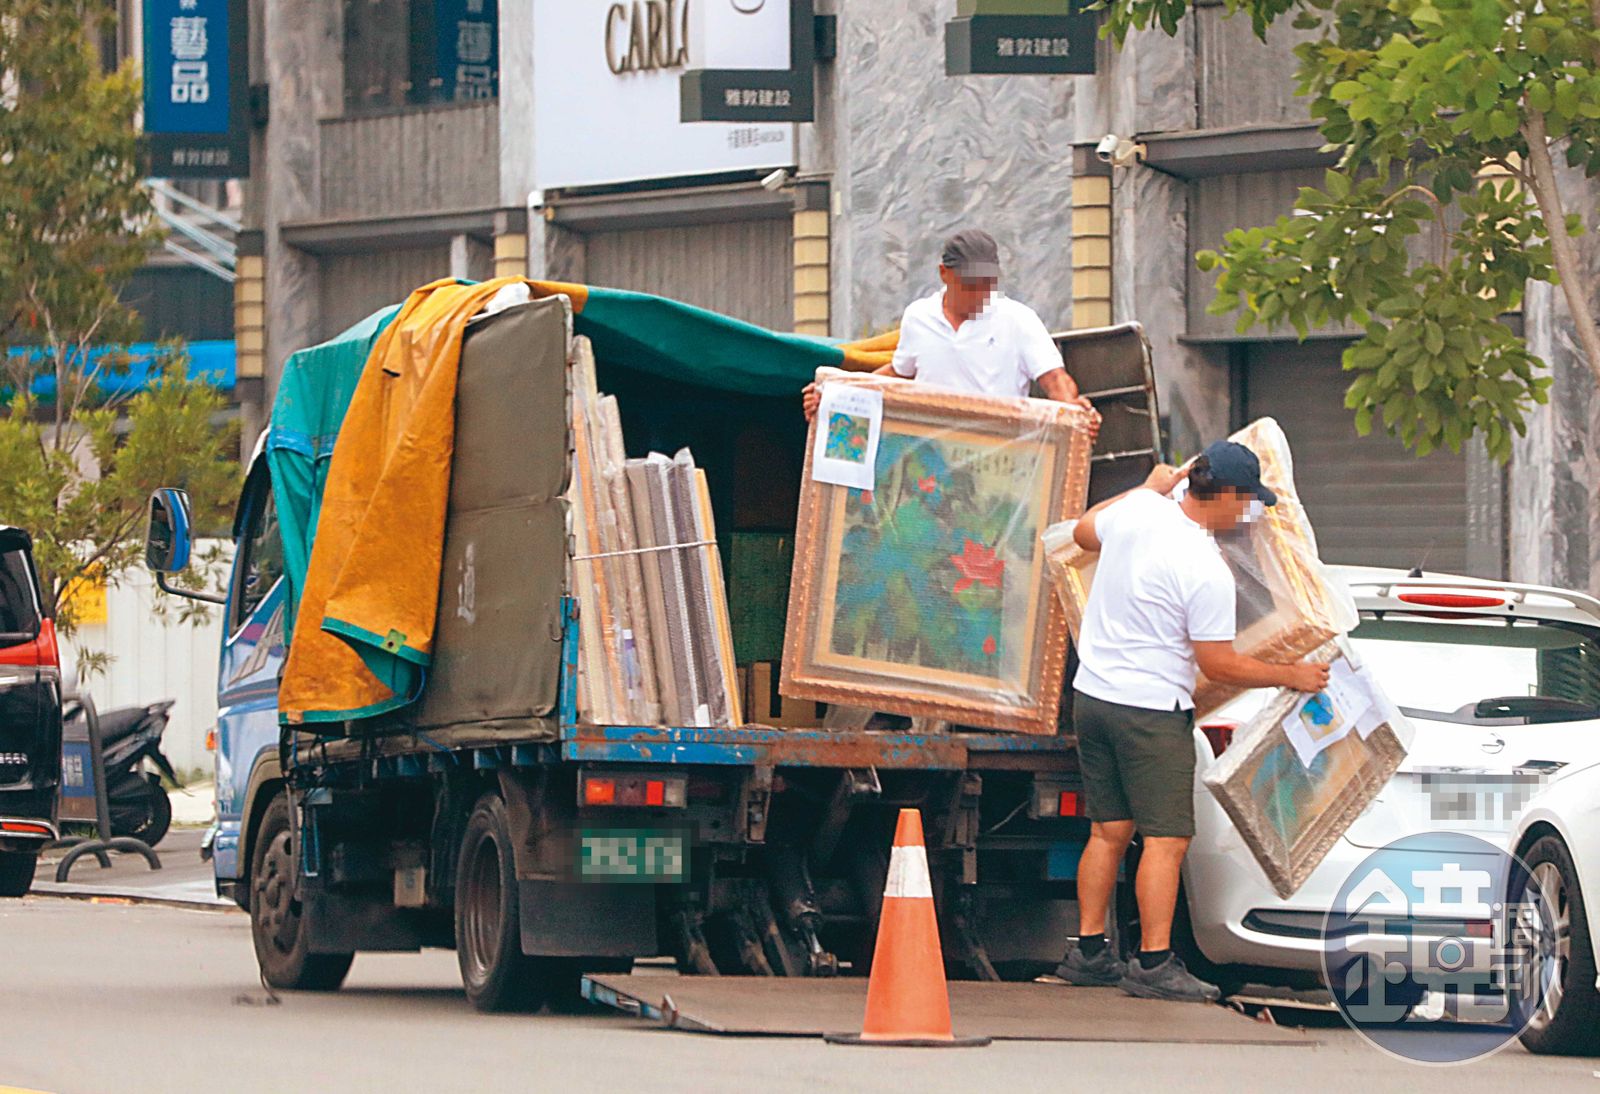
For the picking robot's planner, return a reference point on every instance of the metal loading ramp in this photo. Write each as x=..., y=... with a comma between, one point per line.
x=811, y=1007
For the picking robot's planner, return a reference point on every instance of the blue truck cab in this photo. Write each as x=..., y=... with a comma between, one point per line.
x=489, y=818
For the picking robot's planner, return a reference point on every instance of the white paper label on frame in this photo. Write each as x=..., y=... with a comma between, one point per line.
x=849, y=420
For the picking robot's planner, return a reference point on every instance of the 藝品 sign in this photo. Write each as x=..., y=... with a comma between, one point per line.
x=467, y=43
x=195, y=88
x=606, y=94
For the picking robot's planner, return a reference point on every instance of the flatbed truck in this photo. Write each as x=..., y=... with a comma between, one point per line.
x=489, y=817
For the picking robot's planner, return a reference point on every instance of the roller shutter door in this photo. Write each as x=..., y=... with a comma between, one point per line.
x=1371, y=501
x=742, y=268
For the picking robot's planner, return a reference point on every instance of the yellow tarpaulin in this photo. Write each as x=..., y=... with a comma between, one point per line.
x=365, y=628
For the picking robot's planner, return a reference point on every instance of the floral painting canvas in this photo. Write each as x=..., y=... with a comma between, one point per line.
x=847, y=437
x=927, y=594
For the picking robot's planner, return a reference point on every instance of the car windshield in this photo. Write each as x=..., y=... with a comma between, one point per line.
x=1485, y=671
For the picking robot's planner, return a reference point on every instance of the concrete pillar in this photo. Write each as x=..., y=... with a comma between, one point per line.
x=1091, y=241
x=250, y=339
x=302, y=53
x=813, y=282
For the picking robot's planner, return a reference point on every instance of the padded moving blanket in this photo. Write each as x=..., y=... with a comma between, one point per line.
x=372, y=584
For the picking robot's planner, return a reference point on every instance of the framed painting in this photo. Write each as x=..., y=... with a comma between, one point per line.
x=1291, y=812
x=927, y=595
x=1286, y=604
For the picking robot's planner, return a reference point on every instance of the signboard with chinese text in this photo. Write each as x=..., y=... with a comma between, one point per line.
x=606, y=97
x=758, y=65
x=1060, y=45
x=196, y=88
x=468, y=44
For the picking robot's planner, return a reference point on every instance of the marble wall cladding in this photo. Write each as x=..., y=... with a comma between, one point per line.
x=1241, y=79
x=917, y=155
x=1555, y=471
x=301, y=51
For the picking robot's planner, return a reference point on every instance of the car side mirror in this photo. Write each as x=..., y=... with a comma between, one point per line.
x=167, y=542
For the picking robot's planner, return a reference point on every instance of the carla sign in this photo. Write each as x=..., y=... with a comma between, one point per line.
x=606, y=97
x=195, y=91
x=647, y=35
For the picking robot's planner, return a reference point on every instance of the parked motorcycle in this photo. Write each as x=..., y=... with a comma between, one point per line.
x=128, y=737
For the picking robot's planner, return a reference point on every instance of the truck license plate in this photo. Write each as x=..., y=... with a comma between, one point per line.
x=652, y=856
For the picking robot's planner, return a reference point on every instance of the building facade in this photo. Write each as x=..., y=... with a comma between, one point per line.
x=398, y=141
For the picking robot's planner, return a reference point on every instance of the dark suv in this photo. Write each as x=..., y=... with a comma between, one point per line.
x=30, y=716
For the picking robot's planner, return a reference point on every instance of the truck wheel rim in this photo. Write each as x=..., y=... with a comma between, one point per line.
x=274, y=895
x=1550, y=941
x=483, y=908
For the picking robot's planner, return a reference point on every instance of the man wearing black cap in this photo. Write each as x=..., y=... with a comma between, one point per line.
x=971, y=337
x=1161, y=606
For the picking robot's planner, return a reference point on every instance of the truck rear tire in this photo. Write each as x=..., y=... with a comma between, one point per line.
x=276, y=927
x=498, y=976
x=16, y=872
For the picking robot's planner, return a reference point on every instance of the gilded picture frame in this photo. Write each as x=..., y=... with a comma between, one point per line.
x=1286, y=605
x=1290, y=814
x=928, y=596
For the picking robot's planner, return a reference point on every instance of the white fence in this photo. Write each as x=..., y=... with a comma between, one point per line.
x=154, y=657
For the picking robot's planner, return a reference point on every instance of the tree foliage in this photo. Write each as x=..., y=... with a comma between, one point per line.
x=1444, y=203
x=77, y=463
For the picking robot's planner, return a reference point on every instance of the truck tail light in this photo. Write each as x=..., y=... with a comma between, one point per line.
x=211, y=739
x=662, y=792
x=1219, y=735
x=1051, y=799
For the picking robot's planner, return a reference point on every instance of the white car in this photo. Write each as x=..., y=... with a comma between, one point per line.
x=1558, y=838
x=1502, y=685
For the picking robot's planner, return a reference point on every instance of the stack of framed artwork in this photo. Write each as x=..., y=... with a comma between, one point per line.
x=1287, y=603
x=927, y=595
x=655, y=643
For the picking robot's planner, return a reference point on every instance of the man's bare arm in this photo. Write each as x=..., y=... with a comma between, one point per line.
x=1161, y=479
x=1223, y=664
x=811, y=397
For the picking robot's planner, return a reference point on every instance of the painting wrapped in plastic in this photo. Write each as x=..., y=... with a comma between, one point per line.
x=1287, y=602
x=927, y=595
x=1291, y=812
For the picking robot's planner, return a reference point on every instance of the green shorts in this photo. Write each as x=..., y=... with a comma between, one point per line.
x=1137, y=765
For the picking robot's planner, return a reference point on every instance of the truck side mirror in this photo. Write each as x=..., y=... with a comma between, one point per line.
x=166, y=536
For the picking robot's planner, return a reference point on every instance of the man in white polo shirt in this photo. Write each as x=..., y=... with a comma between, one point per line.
x=1161, y=607
x=970, y=337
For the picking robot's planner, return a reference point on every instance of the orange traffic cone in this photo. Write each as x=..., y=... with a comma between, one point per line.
x=908, y=1002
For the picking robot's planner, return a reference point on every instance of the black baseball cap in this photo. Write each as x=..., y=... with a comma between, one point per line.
x=971, y=253
x=1234, y=465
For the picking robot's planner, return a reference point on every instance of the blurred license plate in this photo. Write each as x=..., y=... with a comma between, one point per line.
x=641, y=855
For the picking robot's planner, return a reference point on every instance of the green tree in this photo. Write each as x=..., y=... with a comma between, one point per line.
x=76, y=462
x=1450, y=116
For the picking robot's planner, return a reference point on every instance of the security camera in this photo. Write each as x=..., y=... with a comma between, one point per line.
x=775, y=181
x=1118, y=151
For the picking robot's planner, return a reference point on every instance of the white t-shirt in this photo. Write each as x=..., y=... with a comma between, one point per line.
x=999, y=351
x=1160, y=584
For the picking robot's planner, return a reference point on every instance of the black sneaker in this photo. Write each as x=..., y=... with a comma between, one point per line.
x=1168, y=980
x=1103, y=970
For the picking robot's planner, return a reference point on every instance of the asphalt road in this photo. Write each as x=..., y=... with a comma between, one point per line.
x=98, y=998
